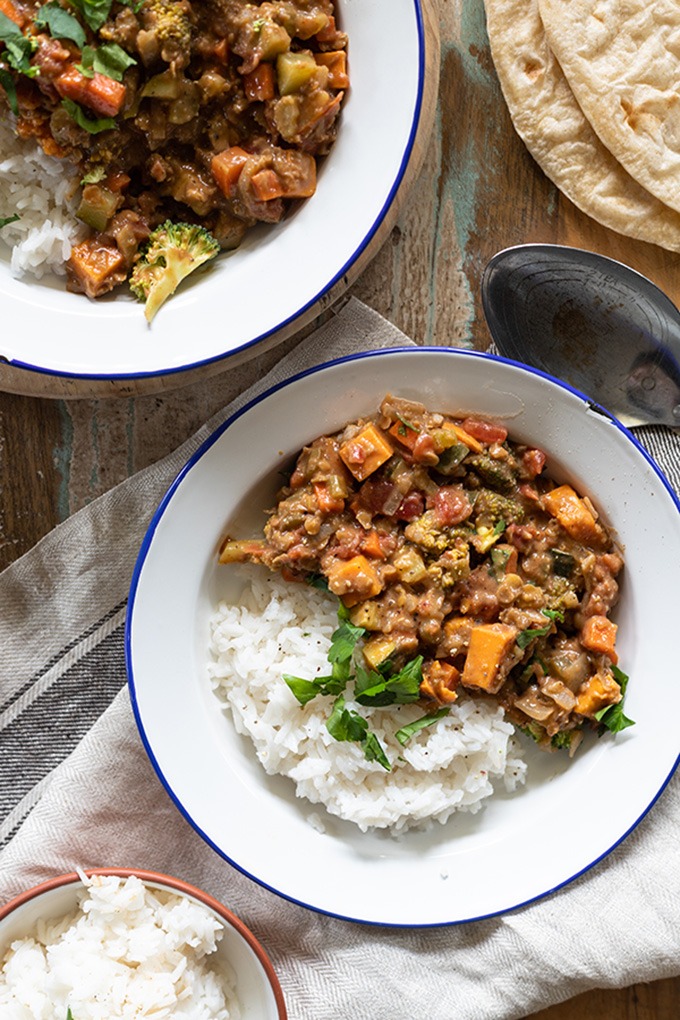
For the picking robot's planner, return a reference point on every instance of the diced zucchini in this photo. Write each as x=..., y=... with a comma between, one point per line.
x=451, y=458
x=378, y=649
x=273, y=40
x=366, y=615
x=294, y=70
x=163, y=86
x=97, y=206
x=410, y=565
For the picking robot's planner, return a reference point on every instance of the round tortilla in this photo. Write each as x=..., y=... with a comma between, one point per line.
x=552, y=125
x=621, y=59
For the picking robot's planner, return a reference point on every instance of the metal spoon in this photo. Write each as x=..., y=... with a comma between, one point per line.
x=592, y=322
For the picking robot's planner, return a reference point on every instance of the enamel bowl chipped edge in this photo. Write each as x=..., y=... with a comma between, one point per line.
x=279, y=272
x=569, y=815
x=257, y=986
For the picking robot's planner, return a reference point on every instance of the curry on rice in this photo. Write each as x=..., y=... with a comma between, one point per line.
x=206, y=112
x=447, y=544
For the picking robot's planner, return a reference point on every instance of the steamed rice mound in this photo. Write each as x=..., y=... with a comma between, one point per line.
x=40, y=190
x=128, y=952
x=286, y=628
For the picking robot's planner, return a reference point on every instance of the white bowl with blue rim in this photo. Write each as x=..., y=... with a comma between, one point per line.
x=452, y=872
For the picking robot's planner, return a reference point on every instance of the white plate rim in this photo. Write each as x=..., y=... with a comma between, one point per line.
x=505, y=908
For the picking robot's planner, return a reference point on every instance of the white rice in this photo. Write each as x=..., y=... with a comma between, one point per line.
x=286, y=628
x=129, y=951
x=40, y=190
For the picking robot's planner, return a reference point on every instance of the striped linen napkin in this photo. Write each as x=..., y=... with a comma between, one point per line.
x=77, y=789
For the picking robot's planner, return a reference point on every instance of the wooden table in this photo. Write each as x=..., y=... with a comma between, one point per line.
x=478, y=191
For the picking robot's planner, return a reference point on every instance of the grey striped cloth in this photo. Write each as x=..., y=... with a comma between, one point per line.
x=77, y=789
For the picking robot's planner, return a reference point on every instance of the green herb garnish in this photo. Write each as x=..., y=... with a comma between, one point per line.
x=612, y=717
x=4, y=220
x=69, y=1014
x=60, y=24
x=110, y=60
x=405, y=424
x=317, y=581
x=406, y=732
x=525, y=637
x=400, y=688
x=94, y=127
x=94, y=12
x=344, y=724
x=7, y=82
x=18, y=48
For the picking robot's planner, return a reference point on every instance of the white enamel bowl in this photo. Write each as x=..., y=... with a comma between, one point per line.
x=280, y=274
x=459, y=871
x=257, y=986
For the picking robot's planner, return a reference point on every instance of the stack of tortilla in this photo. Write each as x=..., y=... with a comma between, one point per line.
x=593, y=89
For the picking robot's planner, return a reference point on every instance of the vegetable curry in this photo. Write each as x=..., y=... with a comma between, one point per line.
x=454, y=554
x=211, y=112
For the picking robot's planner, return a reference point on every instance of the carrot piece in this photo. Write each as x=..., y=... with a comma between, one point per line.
x=598, y=634
x=226, y=167
x=489, y=646
x=354, y=580
x=10, y=11
x=266, y=185
x=327, y=503
x=336, y=62
x=572, y=513
x=328, y=31
x=464, y=437
x=258, y=84
x=372, y=545
x=101, y=94
x=408, y=437
x=366, y=452
x=598, y=692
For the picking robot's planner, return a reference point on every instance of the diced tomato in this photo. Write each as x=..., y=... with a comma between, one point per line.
x=534, y=462
x=485, y=431
x=451, y=505
x=411, y=506
x=423, y=450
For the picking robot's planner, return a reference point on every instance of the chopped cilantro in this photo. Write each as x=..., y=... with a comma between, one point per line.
x=405, y=424
x=60, y=24
x=344, y=724
x=69, y=1014
x=406, y=732
x=94, y=12
x=7, y=82
x=525, y=637
x=612, y=717
x=82, y=120
x=400, y=688
x=317, y=581
x=18, y=48
x=499, y=528
x=4, y=220
x=109, y=59
x=305, y=690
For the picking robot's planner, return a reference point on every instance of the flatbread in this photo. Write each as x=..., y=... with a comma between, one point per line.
x=552, y=125
x=622, y=61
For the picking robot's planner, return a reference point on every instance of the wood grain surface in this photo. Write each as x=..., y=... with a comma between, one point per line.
x=478, y=191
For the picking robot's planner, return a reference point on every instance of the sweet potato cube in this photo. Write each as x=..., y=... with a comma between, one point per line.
x=572, y=513
x=354, y=580
x=366, y=452
x=489, y=646
x=463, y=437
x=439, y=682
x=336, y=62
x=598, y=634
x=597, y=693
x=95, y=268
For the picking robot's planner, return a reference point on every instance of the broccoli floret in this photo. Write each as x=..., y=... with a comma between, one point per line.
x=172, y=252
x=170, y=22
